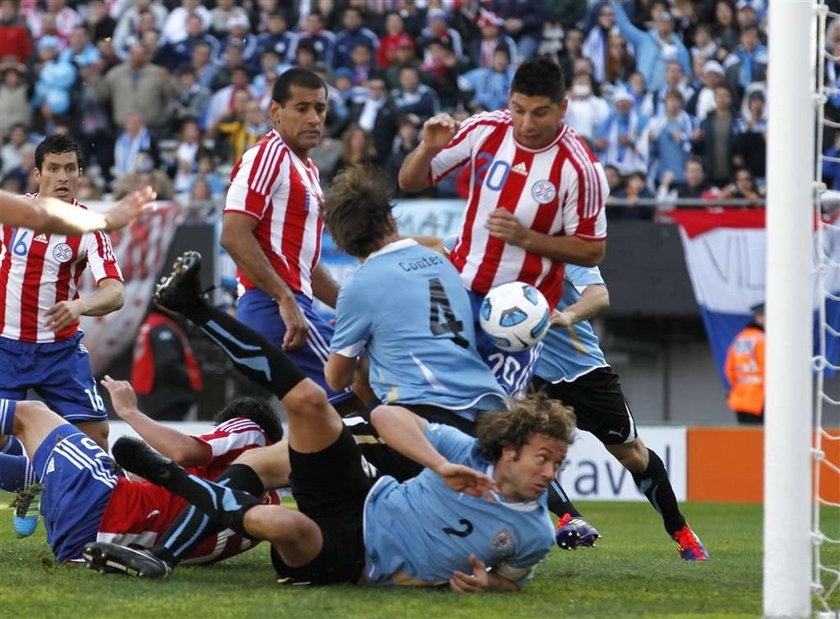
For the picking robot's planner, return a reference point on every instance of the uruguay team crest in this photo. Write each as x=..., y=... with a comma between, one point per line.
x=503, y=540
x=543, y=191
x=63, y=252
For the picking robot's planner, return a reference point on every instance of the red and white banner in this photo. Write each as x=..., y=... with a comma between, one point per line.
x=141, y=249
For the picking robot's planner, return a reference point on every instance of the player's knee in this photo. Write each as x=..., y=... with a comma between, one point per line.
x=632, y=456
x=307, y=399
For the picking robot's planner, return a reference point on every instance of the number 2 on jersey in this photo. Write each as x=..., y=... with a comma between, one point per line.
x=440, y=307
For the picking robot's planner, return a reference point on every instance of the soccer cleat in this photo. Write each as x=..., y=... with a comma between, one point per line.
x=135, y=456
x=573, y=532
x=27, y=505
x=689, y=545
x=181, y=289
x=114, y=559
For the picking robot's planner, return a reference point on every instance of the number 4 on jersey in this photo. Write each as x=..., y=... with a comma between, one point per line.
x=440, y=306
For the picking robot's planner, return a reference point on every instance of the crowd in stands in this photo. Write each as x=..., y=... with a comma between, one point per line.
x=669, y=93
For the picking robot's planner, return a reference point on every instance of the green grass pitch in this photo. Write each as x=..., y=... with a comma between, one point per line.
x=634, y=571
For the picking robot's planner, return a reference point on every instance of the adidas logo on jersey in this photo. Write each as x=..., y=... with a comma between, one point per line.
x=520, y=168
x=40, y=238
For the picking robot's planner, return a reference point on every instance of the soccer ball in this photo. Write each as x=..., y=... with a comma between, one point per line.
x=515, y=315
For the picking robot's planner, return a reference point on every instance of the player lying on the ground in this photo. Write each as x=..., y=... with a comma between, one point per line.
x=52, y=216
x=573, y=369
x=420, y=532
x=85, y=498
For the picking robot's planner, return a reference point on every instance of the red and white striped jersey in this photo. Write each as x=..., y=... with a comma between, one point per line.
x=139, y=511
x=559, y=190
x=282, y=192
x=39, y=270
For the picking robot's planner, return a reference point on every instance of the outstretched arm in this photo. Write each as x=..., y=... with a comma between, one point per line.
x=183, y=449
x=593, y=300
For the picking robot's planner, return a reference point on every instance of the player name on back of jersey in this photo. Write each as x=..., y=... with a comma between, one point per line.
x=423, y=263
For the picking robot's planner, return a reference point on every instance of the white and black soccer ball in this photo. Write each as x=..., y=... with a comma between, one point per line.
x=515, y=315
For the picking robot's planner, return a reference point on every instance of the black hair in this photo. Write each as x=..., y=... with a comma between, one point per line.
x=540, y=77
x=357, y=210
x=57, y=144
x=255, y=410
x=304, y=78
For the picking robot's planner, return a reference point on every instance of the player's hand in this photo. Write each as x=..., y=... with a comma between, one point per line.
x=504, y=225
x=462, y=478
x=296, y=325
x=439, y=130
x=62, y=315
x=476, y=582
x=122, y=395
x=561, y=319
x=128, y=208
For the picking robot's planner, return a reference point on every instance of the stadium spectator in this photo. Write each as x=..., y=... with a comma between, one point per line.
x=357, y=148
x=306, y=57
x=231, y=58
x=752, y=58
x=437, y=30
x=14, y=36
x=482, y=48
x=362, y=64
x=241, y=129
x=572, y=50
x=725, y=27
x=353, y=35
x=63, y=16
x=14, y=99
x=277, y=37
x=704, y=43
x=23, y=175
x=675, y=79
x=748, y=13
x=751, y=141
x=441, y=73
x=135, y=149
x=239, y=33
x=379, y=115
x=620, y=63
x=191, y=98
x=320, y=41
x=742, y=188
x=206, y=173
x=744, y=369
x=831, y=169
x=618, y=138
x=99, y=23
x=81, y=52
x=655, y=47
x=395, y=36
x=55, y=79
x=11, y=152
x=224, y=14
x=164, y=372
x=717, y=137
x=175, y=27
x=203, y=65
x=671, y=134
x=585, y=111
x=414, y=97
x=146, y=22
x=174, y=55
x=642, y=99
x=138, y=86
x=596, y=45
x=405, y=56
x=490, y=86
x=408, y=137
x=524, y=21
x=703, y=101
x=129, y=21
x=634, y=187
x=182, y=163
x=223, y=99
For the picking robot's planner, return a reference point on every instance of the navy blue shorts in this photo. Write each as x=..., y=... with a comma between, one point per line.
x=59, y=372
x=513, y=370
x=78, y=478
x=260, y=312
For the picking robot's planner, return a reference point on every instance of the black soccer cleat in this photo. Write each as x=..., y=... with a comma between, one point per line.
x=135, y=456
x=110, y=558
x=181, y=289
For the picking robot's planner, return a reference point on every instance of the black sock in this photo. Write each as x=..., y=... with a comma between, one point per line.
x=656, y=486
x=226, y=506
x=253, y=355
x=193, y=526
x=559, y=503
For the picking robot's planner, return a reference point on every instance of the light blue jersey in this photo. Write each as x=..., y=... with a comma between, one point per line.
x=420, y=531
x=407, y=307
x=571, y=352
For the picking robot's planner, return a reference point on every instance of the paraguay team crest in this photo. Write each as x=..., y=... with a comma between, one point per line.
x=503, y=540
x=543, y=191
x=63, y=252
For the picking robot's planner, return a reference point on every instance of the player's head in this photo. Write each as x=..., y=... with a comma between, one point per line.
x=255, y=410
x=537, y=102
x=299, y=108
x=58, y=167
x=528, y=443
x=357, y=211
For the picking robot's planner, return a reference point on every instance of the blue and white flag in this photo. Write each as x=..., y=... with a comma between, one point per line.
x=725, y=255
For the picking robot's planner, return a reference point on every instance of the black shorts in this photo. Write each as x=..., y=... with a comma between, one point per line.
x=330, y=486
x=385, y=460
x=598, y=402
